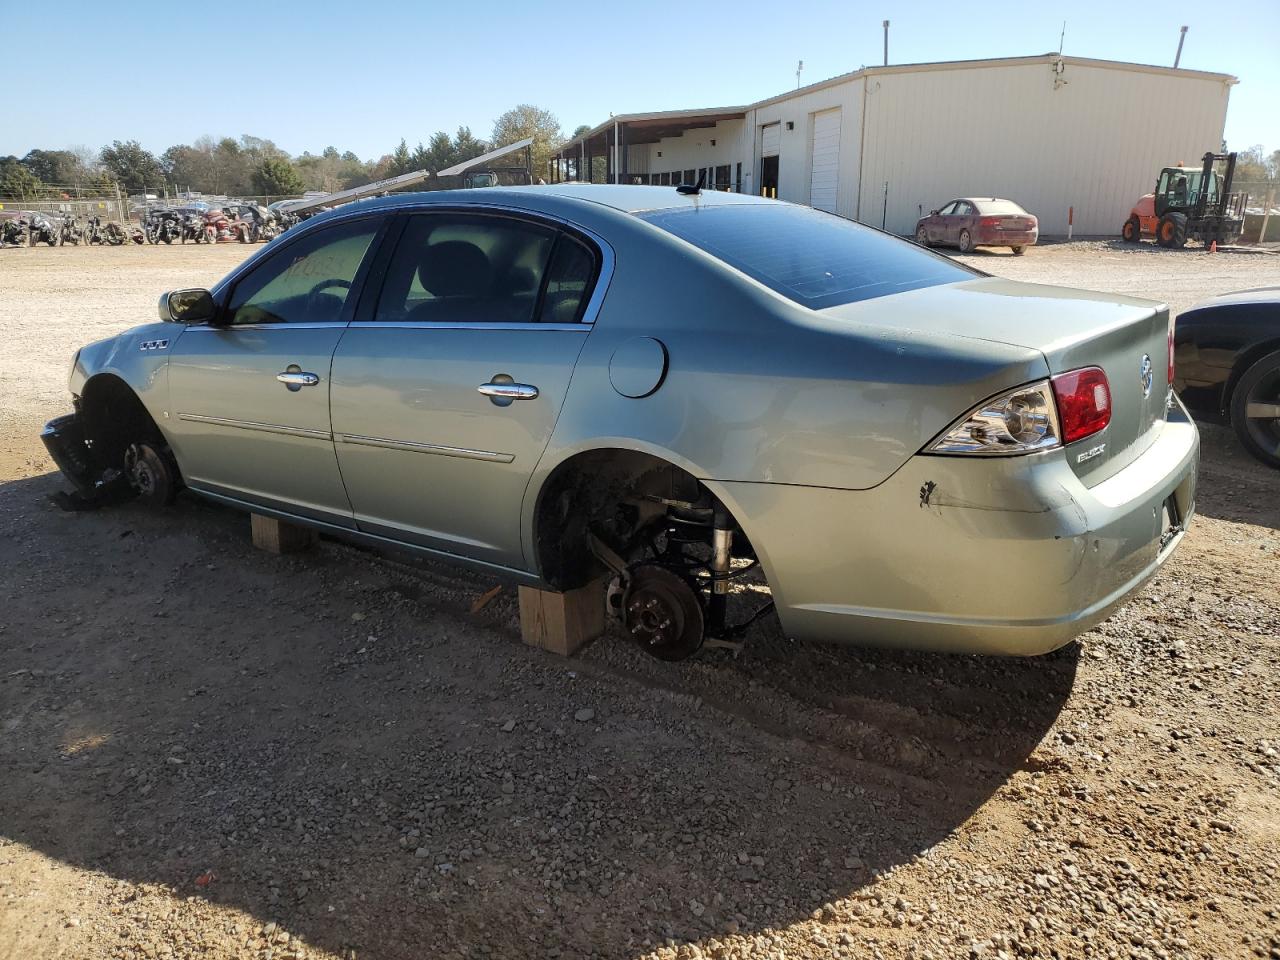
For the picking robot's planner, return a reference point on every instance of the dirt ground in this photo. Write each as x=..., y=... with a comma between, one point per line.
x=206, y=751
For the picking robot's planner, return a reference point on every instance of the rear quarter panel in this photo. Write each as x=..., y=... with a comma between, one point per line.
x=758, y=389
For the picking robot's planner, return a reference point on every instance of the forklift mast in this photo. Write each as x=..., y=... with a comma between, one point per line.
x=1224, y=188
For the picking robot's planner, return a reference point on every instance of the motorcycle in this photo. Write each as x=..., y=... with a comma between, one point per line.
x=13, y=232
x=192, y=228
x=162, y=227
x=111, y=234
x=69, y=230
x=41, y=230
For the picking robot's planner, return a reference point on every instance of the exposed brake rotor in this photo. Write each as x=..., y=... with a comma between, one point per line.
x=663, y=612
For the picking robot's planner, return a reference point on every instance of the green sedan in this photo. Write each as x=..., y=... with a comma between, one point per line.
x=667, y=390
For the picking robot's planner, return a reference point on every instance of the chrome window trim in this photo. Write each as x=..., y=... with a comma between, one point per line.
x=257, y=425
x=530, y=325
x=411, y=446
x=608, y=261
x=282, y=325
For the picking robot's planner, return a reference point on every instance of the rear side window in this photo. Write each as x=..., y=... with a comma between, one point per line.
x=570, y=277
x=816, y=259
x=456, y=268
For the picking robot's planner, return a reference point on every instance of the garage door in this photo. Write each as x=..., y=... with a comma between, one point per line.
x=825, y=164
x=770, y=139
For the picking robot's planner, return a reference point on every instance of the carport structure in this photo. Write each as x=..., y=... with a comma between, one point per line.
x=613, y=141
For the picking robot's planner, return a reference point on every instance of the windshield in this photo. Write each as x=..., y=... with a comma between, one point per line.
x=816, y=259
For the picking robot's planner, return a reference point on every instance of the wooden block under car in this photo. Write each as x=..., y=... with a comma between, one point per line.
x=277, y=536
x=562, y=622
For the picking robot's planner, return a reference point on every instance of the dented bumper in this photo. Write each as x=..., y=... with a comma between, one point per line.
x=985, y=555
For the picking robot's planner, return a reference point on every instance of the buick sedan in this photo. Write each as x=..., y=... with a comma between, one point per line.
x=668, y=389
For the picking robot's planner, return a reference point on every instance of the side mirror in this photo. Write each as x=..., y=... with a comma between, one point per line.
x=187, y=306
x=933, y=213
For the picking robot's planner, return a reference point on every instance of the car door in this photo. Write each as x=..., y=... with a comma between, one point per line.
x=249, y=394
x=964, y=218
x=445, y=391
x=937, y=224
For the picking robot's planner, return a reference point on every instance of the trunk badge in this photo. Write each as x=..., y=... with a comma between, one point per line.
x=1091, y=453
x=1147, y=375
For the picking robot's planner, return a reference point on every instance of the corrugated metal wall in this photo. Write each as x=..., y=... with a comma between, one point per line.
x=1092, y=138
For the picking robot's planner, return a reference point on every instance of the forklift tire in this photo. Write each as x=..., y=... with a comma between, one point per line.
x=1172, y=231
x=1131, y=232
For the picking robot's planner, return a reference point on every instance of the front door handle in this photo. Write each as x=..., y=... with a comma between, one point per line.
x=509, y=391
x=297, y=378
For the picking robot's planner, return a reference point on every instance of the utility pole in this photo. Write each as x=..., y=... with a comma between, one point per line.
x=799, y=67
x=1177, y=57
x=886, y=43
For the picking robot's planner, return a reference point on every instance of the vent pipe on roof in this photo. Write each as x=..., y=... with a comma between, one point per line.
x=1177, y=57
x=886, y=43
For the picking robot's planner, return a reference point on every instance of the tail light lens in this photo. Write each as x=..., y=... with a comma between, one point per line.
x=1021, y=421
x=1084, y=402
x=990, y=221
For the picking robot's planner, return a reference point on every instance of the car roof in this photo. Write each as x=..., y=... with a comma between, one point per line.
x=628, y=198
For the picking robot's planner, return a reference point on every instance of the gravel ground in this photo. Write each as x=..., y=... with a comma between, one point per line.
x=211, y=752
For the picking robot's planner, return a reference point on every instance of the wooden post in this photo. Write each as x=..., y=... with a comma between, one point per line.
x=562, y=622
x=277, y=536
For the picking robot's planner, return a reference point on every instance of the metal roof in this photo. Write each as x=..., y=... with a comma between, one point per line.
x=465, y=165
x=689, y=119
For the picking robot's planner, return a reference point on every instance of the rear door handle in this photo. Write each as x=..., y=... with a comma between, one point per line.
x=297, y=378
x=509, y=391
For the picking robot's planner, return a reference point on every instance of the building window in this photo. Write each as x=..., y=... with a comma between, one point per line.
x=722, y=177
x=691, y=176
x=737, y=181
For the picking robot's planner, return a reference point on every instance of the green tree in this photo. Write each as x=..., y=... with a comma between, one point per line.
x=466, y=146
x=401, y=160
x=275, y=176
x=526, y=120
x=135, y=168
x=579, y=130
x=17, y=182
x=61, y=168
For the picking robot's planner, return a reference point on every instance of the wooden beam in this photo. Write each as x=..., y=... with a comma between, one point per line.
x=278, y=536
x=562, y=622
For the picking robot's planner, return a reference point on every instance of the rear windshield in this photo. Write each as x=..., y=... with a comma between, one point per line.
x=1000, y=208
x=816, y=259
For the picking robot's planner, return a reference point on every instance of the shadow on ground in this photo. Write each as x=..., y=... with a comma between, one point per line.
x=357, y=756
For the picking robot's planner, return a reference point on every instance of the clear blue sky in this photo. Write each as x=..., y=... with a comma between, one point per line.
x=360, y=76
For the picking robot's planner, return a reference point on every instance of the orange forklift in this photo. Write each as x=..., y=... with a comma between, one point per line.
x=1190, y=205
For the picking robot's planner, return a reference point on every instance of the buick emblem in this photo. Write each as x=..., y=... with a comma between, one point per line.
x=1146, y=374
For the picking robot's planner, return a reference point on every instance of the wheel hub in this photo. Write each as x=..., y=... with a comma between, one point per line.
x=663, y=613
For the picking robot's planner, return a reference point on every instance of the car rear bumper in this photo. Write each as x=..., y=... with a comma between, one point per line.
x=992, y=237
x=1010, y=555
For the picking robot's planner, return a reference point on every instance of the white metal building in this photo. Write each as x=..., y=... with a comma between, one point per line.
x=885, y=145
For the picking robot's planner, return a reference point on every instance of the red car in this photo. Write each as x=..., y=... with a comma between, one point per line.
x=979, y=222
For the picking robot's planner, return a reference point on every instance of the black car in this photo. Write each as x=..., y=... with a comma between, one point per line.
x=1227, y=357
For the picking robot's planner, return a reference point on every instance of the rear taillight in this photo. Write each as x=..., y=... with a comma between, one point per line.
x=990, y=221
x=1171, y=328
x=1084, y=402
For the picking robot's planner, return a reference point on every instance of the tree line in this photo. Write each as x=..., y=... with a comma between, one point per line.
x=254, y=166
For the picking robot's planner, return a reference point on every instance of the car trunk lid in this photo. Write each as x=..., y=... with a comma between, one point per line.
x=1125, y=336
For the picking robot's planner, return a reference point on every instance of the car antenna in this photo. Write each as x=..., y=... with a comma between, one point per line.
x=690, y=189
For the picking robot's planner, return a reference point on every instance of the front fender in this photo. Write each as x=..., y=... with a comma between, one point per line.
x=139, y=357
